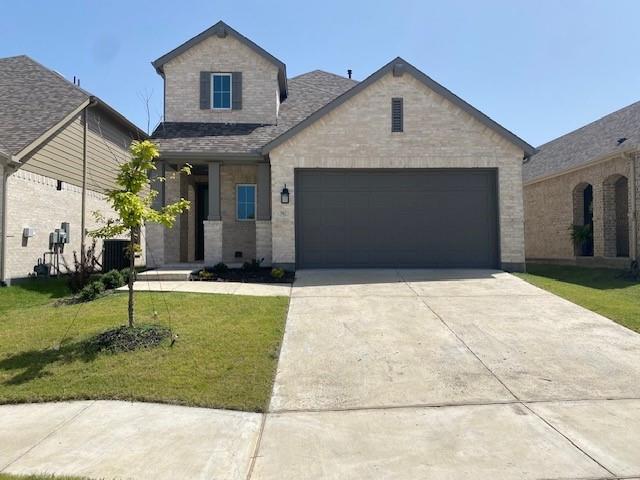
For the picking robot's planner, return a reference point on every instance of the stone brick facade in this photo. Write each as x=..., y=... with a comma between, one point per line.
x=238, y=235
x=260, y=92
x=437, y=134
x=553, y=204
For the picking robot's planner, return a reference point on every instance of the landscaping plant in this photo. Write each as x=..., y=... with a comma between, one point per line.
x=132, y=201
x=83, y=268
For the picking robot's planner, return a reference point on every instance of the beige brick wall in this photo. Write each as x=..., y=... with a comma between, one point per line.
x=549, y=210
x=182, y=83
x=33, y=201
x=437, y=134
x=237, y=235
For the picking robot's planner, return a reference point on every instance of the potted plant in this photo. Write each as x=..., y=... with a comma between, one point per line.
x=582, y=236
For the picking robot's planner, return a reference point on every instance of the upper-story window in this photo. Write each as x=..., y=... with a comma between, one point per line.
x=221, y=91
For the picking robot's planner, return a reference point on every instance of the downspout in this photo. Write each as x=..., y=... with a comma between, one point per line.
x=83, y=215
x=634, y=212
x=6, y=171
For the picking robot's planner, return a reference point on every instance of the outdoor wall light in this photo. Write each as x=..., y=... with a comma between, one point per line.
x=284, y=194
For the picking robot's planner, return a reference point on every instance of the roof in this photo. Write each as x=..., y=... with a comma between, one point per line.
x=34, y=99
x=307, y=93
x=311, y=96
x=221, y=29
x=592, y=142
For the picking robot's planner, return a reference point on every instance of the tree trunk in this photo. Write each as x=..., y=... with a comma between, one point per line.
x=132, y=262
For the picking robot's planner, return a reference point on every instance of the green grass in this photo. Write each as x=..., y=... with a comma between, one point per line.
x=604, y=291
x=225, y=356
x=32, y=292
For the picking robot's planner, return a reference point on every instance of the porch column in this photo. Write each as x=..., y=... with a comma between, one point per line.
x=153, y=232
x=213, y=224
x=263, y=214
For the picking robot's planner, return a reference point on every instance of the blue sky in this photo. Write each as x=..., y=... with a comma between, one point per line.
x=540, y=68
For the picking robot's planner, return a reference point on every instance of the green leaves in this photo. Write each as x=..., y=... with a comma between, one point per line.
x=132, y=200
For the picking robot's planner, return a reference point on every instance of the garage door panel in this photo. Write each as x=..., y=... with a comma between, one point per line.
x=410, y=218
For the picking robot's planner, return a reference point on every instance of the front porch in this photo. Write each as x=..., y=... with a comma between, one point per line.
x=229, y=220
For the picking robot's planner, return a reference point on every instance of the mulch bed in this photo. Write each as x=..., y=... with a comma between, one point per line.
x=261, y=275
x=126, y=339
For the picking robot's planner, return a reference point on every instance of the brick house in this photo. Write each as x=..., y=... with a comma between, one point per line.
x=590, y=176
x=59, y=150
x=322, y=171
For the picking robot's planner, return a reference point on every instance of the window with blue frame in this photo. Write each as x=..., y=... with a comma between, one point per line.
x=221, y=90
x=246, y=202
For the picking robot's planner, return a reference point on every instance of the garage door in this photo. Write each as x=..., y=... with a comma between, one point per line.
x=396, y=218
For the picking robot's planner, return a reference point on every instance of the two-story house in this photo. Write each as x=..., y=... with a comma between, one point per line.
x=322, y=171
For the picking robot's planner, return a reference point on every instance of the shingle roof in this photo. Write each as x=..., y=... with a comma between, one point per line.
x=307, y=93
x=32, y=100
x=591, y=142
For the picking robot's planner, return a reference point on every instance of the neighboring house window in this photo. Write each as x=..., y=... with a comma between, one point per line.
x=246, y=202
x=397, y=120
x=221, y=91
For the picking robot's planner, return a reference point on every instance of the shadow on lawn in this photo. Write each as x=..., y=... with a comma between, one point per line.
x=32, y=364
x=589, y=277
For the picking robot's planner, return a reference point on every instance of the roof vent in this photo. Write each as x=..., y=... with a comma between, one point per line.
x=349, y=72
x=398, y=69
x=622, y=140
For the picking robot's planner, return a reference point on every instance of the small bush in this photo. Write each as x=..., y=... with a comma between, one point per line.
x=206, y=275
x=112, y=280
x=277, y=273
x=91, y=292
x=125, y=275
x=80, y=273
x=253, y=265
x=220, y=268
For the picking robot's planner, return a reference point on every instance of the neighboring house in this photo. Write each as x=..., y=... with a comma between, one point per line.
x=55, y=139
x=588, y=177
x=322, y=171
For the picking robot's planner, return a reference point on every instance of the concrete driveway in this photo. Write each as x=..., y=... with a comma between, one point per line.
x=447, y=375
x=384, y=374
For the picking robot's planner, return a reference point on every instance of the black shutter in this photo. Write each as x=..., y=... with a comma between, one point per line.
x=236, y=91
x=205, y=90
x=396, y=115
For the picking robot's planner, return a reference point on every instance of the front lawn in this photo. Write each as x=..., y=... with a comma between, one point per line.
x=602, y=290
x=225, y=355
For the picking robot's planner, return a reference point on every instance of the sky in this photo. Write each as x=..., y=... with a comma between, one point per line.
x=540, y=68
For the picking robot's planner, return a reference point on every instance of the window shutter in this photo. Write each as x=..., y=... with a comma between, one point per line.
x=236, y=90
x=205, y=90
x=396, y=115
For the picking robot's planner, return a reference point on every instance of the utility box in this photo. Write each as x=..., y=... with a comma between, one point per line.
x=28, y=232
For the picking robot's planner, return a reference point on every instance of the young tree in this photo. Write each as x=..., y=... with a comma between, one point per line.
x=132, y=201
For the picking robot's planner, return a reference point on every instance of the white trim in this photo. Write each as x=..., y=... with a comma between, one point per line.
x=255, y=202
x=222, y=74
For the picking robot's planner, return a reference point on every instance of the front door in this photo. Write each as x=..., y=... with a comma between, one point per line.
x=202, y=213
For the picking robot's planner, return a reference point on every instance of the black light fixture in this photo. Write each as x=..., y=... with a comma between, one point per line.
x=284, y=194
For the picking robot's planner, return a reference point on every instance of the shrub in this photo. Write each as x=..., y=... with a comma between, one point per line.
x=83, y=268
x=220, y=268
x=277, y=273
x=206, y=275
x=126, y=273
x=91, y=292
x=253, y=265
x=112, y=280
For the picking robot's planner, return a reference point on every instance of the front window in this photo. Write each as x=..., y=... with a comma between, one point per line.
x=246, y=202
x=221, y=91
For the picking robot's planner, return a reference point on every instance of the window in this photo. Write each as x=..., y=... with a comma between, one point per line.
x=246, y=202
x=396, y=115
x=221, y=91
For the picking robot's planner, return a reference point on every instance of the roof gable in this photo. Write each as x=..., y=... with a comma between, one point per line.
x=399, y=66
x=221, y=30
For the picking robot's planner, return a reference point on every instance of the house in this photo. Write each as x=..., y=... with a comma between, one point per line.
x=319, y=170
x=589, y=177
x=60, y=148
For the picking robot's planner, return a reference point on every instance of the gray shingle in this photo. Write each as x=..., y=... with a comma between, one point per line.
x=307, y=93
x=591, y=142
x=32, y=100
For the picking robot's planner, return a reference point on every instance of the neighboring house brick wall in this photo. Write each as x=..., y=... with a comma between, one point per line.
x=33, y=201
x=214, y=54
x=437, y=134
x=550, y=210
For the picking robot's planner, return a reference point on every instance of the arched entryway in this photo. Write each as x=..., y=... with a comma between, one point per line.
x=583, y=219
x=616, y=216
